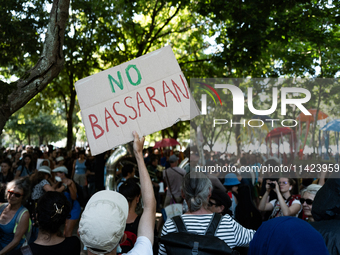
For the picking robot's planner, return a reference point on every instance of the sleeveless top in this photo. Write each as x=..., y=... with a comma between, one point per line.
x=80, y=167
x=7, y=234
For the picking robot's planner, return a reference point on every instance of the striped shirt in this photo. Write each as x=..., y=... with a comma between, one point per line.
x=231, y=232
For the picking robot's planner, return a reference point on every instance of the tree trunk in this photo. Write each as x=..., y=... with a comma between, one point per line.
x=69, y=115
x=41, y=139
x=318, y=104
x=238, y=134
x=46, y=69
x=29, y=139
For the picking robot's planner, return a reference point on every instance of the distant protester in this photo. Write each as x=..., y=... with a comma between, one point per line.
x=232, y=183
x=307, y=200
x=131, y=191
x=326, y=213
x=12, y=233
x=220, y=202
x=196, y=190
x=287, y=235
x=5, y=176
x=286, y=204
x=25, y=168
x=70, y=191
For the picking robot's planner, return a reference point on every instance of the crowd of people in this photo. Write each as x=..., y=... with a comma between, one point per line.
x=46, y=193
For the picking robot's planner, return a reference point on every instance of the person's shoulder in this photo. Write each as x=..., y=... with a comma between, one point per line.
x=44, y=182
x=296, y=201
x=180, y=169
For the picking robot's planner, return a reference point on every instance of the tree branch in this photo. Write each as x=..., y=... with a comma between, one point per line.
x=47, y=68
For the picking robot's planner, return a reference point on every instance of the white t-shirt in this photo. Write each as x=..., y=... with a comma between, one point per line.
x=276, y=207
x=142, y=246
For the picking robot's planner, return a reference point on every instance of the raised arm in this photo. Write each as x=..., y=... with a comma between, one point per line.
x=147, y=222
x=264, y=205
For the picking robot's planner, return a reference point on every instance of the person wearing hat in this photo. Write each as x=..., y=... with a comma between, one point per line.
x=42, y=182
x=219, y=202
x=70, y=191
x=173, y=177
x=102, y=224
x=59, y=161
x=231, y=183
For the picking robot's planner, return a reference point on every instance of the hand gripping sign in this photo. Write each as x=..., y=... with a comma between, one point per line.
x=147, y=94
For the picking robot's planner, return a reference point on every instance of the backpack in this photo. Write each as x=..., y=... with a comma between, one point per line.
x=27, y=235
x=186, y=243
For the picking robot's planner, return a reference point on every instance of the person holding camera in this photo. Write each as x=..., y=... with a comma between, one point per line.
x=286, y=204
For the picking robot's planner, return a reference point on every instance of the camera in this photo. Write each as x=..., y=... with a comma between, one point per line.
x=272, y=185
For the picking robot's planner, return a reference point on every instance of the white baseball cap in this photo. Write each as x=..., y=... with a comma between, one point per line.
x=59, y=159
x=45, y=169
x=60, y=169
x=103, y=221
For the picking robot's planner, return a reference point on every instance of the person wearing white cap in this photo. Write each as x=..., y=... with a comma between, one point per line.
x=59, y=161
x=102, y=224
x=42, y=182
x=70, y=191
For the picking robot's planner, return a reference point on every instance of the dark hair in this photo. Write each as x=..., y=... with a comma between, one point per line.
x=221, y=198
x=37, y=178
x=127, y=169
x=291, y=181
x=21, y=183
x=153, y=158
x=30, y=166
x=7, y=161
x=129, y=189
x=52, y=210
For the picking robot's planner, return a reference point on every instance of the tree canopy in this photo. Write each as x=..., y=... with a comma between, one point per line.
x=250, y=39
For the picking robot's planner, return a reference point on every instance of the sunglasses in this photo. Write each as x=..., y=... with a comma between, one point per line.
x=282, y=183
x=14, y=193
x=308, y=201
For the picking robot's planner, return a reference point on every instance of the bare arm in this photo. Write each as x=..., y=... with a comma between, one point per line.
x=287, y=211
x=264, y=206
x=73, y=169
x=48, y=187
x=147, y=222
x=72, y=188
x=19, y=233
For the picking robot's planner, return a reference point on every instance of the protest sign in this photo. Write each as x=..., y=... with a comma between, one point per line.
x=147, y=94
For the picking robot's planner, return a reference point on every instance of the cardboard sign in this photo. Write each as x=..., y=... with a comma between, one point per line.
x=147, y=94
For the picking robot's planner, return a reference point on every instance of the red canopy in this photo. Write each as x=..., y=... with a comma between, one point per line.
x=308, y=118
x=276, y=132
x=166, y=142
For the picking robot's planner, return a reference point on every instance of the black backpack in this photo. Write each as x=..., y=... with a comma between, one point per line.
x=186, y=243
